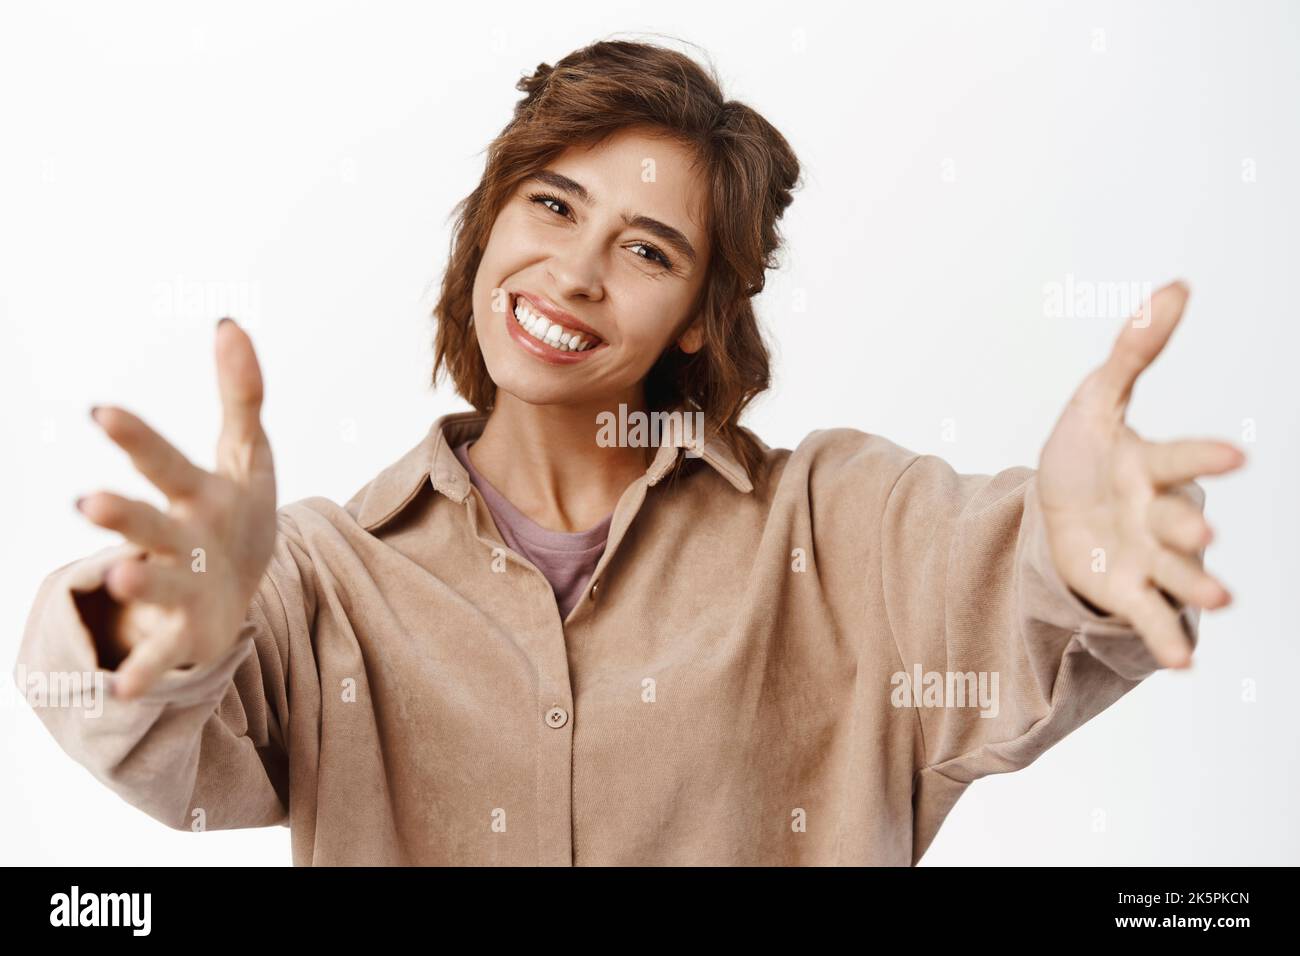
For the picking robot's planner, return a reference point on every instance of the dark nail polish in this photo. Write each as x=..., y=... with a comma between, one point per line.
x=78, y=503
x=94, y=413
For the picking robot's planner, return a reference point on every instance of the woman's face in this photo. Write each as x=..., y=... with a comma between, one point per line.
x=608, y=243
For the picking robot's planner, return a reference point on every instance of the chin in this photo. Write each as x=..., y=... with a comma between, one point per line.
x=533, y=387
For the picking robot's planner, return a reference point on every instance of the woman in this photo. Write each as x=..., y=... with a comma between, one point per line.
x=574, y=627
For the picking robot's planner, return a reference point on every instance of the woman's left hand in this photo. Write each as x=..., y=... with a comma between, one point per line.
x=1122, y=520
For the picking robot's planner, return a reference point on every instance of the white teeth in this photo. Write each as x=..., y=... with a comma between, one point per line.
x=554, y=335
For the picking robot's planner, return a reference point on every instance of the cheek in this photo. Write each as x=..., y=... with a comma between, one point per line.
x=502, y=245
x=647, y=334
x=489, y=326
x=512, y=231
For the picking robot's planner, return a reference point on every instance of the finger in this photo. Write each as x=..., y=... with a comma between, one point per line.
x=1142, y=339
x=166, y=584
x=1174, y=462
x=1185, y=579
x=239, y=379
x=146, y=663
x=153, y=456
x=1179, y=524
x=1191, y=491
x=137, y=521
x=1160, y=628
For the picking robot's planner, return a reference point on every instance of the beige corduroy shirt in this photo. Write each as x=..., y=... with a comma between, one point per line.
x=807, y=669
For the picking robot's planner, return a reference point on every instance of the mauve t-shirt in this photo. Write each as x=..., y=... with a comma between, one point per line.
x=566, y=558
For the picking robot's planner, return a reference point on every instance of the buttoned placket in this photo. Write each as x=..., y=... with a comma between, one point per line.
x=548, y=649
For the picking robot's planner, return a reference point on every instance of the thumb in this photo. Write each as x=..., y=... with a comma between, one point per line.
x=239, y=379
x=1142, y=339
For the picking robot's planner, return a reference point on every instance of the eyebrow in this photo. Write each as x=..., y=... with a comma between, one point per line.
x=661, y=230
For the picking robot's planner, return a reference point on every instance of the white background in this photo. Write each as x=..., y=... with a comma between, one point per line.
x=296, y=164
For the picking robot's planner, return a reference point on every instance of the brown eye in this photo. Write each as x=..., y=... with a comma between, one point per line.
x=654, y=255
x=543, y=199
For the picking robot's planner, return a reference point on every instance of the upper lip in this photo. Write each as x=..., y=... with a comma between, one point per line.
x=549, y=310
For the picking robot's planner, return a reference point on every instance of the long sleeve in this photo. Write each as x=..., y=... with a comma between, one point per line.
x=976, y=605
x=205, y=747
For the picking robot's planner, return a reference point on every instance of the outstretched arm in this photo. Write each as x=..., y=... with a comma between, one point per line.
x=1122, y=513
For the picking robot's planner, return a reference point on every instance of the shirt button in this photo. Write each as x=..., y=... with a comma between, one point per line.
x=557, y=717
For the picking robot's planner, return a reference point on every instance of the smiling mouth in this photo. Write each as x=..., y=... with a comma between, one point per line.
x=550, y=333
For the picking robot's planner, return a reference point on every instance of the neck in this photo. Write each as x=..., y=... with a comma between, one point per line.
x=545, y=460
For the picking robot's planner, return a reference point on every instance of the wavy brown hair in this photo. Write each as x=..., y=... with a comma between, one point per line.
x=586, y=97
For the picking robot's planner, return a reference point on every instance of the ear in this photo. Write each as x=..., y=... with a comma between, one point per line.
x=692, y=340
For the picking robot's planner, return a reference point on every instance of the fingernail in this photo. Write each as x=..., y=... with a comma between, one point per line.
x=80, y=500
x=94, y=413
x=224, y=318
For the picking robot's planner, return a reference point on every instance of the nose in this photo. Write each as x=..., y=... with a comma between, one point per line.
x=577, y=269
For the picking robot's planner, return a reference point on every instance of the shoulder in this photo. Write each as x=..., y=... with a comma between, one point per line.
x=832, y=461
x=304, y=524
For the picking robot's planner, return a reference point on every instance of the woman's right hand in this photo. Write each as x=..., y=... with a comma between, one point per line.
x=182, y=599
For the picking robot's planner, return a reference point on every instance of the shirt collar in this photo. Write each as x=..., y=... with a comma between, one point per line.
x=432, y=460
